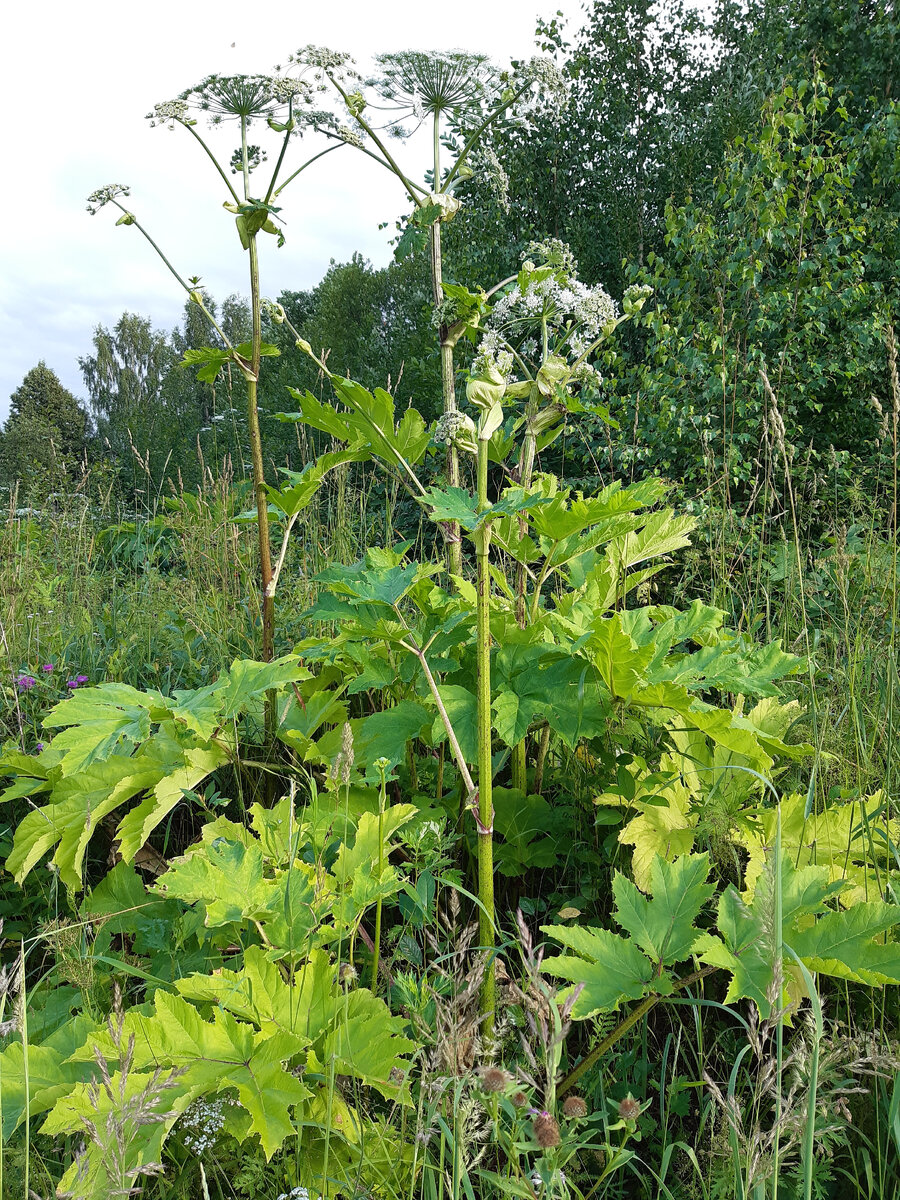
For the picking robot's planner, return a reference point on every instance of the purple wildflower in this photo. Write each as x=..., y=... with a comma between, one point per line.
x=81, y=678
x=71, y=683
x=25, y=683
x=47, y=667
x=39, y=747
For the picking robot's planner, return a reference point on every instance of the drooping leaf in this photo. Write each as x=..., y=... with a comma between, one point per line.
x=212, y=1055
x=95, y=720
x=620, y=662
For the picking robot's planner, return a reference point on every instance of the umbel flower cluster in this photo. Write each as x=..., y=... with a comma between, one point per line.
x=456, y=429
x=548, y=311
x=203, y=1121
x=106, y=195
x=415, y=84
x=223, y=98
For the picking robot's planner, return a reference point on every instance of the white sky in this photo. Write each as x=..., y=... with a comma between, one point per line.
x=76, y=83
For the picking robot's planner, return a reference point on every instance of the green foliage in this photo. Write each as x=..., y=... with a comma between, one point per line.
x=608, y=969
x=491, y=706
x=266, y=1031
x=772, y=275
x=117, y=744
x=45, y=434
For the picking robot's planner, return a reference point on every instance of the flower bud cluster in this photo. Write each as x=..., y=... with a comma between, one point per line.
x=456, y=429
x=322, y=58
x=348, y=136
x=105, y=195
x=203, y=1121
x=285, y=88
x=492, y=354
x=495, y=174
x=167, y=113
x=548, y=78
x=255, y=158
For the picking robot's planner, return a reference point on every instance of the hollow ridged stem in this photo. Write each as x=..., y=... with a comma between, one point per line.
x=486, y=920
x=448, y=373
x=266, y=575
x=518, y=763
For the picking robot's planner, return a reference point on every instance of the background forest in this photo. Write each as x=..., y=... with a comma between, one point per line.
x=605, y=660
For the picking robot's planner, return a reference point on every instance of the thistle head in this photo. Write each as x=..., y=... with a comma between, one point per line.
x=546, y=1130
x=629, y=1109
x=574, y=1108
x=493, y=1079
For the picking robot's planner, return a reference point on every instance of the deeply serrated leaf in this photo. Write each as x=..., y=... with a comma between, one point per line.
x=610, y=968
x=663, y=925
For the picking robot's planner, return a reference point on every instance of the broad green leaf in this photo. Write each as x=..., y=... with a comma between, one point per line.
x=368, y=1043
x=662, y=830
x=357, y=1027
x=291, y=915
x=98, y=719
x=663, y=925
x=462, y=710
x=843, y=838
x=49, y=1073
x=214, y=1055
x=385, y=734
x=124, y=906
x=323, y=417
x=79, y=803
x=620, y=662
x=247, y=679
x=199, y=709
x=663, y=533
x=135, y=828
x=747, y=948
x=278, y=830
x=225, y=877
x=610, y=968
x=842, y=944
x=303, y=485
x=373, y=840
x=371, y=585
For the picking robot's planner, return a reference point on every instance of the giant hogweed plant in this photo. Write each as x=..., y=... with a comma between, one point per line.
x=544, y=642
x=285, y=104
x=457, y=97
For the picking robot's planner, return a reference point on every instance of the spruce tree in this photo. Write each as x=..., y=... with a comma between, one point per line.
x=41, y=400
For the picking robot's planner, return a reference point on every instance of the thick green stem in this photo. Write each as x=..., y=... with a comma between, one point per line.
x=266, y=574
x=622, y=1028
x=543, y=747
x=519, y=764
x=376, y=953
x=448, y=373
x=486, y=920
